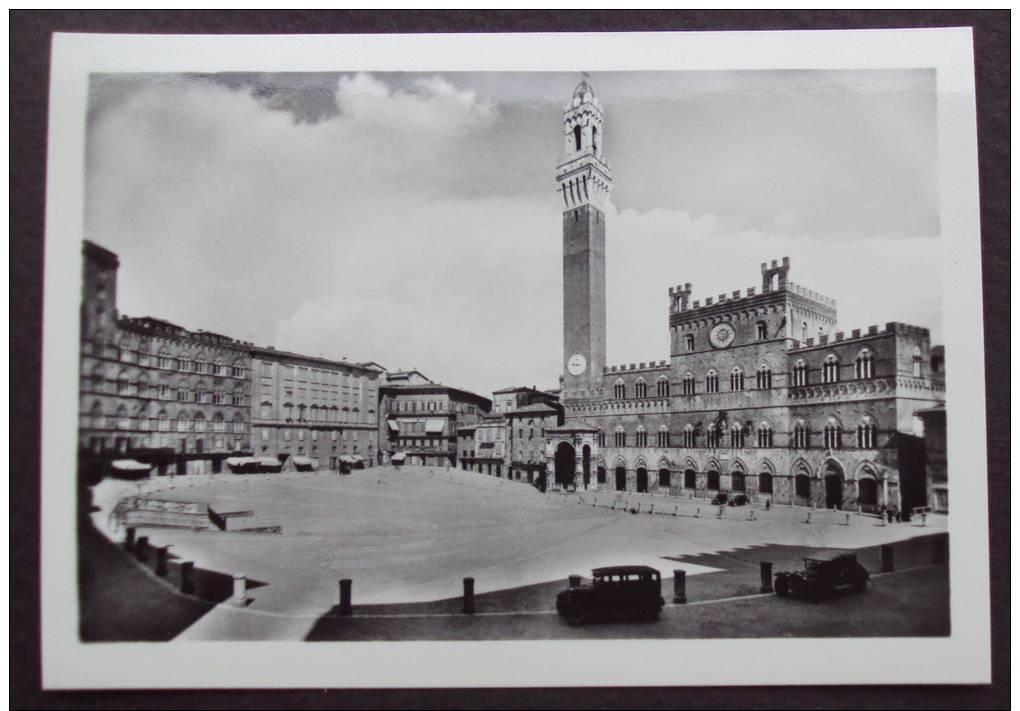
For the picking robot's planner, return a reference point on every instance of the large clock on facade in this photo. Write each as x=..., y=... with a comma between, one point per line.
x=722, y=335
x=577, y=364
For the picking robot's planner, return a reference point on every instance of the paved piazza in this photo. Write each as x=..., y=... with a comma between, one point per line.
x=410, y=535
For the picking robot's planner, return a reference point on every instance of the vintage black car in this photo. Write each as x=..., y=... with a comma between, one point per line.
x=617, y=591
x=738, y=500
x=720, y=499
x=822, y=575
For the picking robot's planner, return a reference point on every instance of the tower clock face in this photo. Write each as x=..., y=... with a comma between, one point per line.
x=577, y=364
x=722, y=335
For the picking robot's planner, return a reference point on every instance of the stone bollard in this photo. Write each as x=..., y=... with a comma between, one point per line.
x=469, y=596
x=613, y=506
x=187, y=577
x=766, y=576
x=924, y=518
x=580, y=499
x=676, y=510
x=638, y=507
x=939, y=551
x=574, y=581
x=651, y=509
x=808, y=519
x=142, y=549
x=887, y=559
x=751, y=516
x=129, y=539
x=697, y=512
x=240, y=589
x=595, y=501
x=722, y=510
x=847, y=522
x=881, y=519
x=345, y=596
x=679, y=586
x=161, y=556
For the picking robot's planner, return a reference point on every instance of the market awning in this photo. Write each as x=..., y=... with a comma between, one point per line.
x=303, y=460
x=434, y=425
x=130, y=465
x=398, y=457
x=269, y=461
x=348, y=459
x=393, y=425
x=241, y=461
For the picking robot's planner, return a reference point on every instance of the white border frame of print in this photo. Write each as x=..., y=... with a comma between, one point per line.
x=962, y=657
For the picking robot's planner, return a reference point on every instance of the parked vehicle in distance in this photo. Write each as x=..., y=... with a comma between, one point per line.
x=616, y=591
x=720, y=499
x=823, y=574
x=738, y=500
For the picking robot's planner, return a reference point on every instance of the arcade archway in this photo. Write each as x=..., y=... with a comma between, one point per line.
x=833, y=475
x=566, y=463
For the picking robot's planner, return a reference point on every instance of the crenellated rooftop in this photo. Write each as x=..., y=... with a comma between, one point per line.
x=890, y=328
x=651, y=365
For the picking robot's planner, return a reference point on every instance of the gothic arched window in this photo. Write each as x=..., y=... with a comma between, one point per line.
x=736, y=379
x=577, y=138
x=764, y=377
x=801, y=435
x=688, y=384
x=830, y=369
x=833, y=434
x=663, y=436
x=620, y=437
x=764, y=435
x=917, y=362
x=619, y=390
x=864, y=366
x=737, y=435
x=689, y=342
x=641, y=437
x=761, y=330
x=662, y=387
x=689, y=438
x=712, y=382
x=866, y=433
x=641, y=388
x=712, y=435
x=800, y=373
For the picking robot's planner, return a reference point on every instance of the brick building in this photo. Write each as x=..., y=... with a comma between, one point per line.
x=152, y=391
x=760, y=395
x=419, y=420
x=934, y=419
x=311, y=412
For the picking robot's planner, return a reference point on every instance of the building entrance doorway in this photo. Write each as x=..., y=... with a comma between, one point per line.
x=642, y=480
x=566, y=462
x=621, y=479
x=586, y=464
x=833, y=486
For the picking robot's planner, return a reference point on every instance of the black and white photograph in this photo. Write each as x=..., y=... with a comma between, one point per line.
x=580, y=360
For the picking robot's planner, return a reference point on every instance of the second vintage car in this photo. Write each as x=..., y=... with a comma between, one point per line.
x=822, y=575
x=617, y=591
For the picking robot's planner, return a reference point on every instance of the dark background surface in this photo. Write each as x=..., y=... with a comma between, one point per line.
x=29, y=56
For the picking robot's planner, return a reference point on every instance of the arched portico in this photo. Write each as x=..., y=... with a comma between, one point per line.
x=569, y=454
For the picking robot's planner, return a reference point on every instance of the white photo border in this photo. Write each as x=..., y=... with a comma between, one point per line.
x=962, y=657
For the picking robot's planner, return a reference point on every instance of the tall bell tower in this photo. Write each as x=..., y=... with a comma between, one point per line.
x=584, y=181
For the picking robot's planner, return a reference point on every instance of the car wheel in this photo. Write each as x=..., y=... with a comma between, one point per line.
x=575, y=615
x=782, y=587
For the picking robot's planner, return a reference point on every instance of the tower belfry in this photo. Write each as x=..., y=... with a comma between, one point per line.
x=584, y=181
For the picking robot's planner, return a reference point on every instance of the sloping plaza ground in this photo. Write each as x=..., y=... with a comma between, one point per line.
x=407, y=537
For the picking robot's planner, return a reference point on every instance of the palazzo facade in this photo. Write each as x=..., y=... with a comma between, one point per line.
x=761, y=394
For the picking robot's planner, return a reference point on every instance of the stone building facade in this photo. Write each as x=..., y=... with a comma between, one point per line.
x=420, y=421
x=153, y=391
x=313, y=411
x=761, y=395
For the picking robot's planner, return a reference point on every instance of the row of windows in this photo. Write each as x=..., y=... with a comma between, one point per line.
x=143, y=389
x=165, y=361
x=864, y=367
x=432, y=406
x=161, y=422
x=303, y=413
x=736, y=436
x=760, y=334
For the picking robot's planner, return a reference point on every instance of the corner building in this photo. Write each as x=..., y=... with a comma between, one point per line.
x=761, y=394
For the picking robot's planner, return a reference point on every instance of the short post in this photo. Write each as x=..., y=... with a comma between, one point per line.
x=766, y=576
x=240, y=589
x=161, y=555
x=613, y=506
x=142, y=549
x=638, y=507
x=676, y=510
x=939, y=552
x=595, y=501
x=697, y=512
x=469, y=596
x=847, y=521
x=881, y=519
x=808, y=519
x=722, y=509
x=345, y=596
x=751, y=516
x=887, y=559
x=580, y=499
x=924, y=518
x=187, y=577
x=679, y=586
x=129, y=539
x=651, y=509
x=574, y=581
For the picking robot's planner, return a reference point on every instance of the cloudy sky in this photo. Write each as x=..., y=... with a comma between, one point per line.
x=412, y=219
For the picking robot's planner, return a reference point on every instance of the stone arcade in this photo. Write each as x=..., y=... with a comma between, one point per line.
x=761, y=394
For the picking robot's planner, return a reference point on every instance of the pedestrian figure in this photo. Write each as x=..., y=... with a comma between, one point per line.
x=768, y=504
